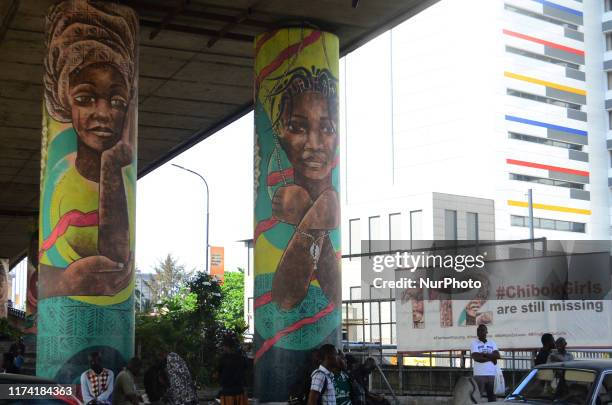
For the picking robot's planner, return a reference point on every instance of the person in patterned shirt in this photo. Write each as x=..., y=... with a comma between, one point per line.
x=322, y=391
x=97, y=382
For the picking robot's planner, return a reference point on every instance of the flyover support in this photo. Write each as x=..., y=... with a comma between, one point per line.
x=297, y=209
x=88, y=186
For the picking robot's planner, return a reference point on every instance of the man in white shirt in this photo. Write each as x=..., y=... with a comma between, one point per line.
x=322, y=389
x=97, y=382
x=485, y=355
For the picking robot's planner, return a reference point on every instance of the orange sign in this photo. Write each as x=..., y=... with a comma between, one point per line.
x=217, y=268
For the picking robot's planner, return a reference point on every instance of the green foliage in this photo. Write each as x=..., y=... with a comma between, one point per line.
x=169, y=278
x=231, y=313
x=186, y=324
x=191, y=317
x=8, y=331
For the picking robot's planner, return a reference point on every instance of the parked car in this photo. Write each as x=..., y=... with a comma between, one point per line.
x=578, y=382
x=19, y=380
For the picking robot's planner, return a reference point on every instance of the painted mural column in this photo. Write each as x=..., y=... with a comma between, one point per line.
x=88, y=188
x=297, y=209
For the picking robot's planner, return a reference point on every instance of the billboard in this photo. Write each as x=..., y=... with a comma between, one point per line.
x=443, y=293
x=217, y=262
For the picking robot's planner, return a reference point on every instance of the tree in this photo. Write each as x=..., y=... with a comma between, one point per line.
x=231, y=312
x=186, y=324
x=168, y=279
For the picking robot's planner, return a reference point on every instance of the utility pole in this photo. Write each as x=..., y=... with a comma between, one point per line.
x=206, y=264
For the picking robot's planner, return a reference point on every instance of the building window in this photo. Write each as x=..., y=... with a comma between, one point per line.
x=533, y=55
x=608, y=41
x=416, y=225
x=355, y=293
x=395, y=231
x=546, y=223
x=548, y=182
x=373, y=232
x=250, y=310
x=354, y=238
x=450, y=224
x=608, y=5
x=471, y=220
x=609, y=74
x=610, y=119
x=544, y=141
x=542, y=99
x=540, y=17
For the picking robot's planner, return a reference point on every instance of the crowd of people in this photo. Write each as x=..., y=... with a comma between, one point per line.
x=485, y=354
x=167, y=381
x=335, y=378
x=552, y=351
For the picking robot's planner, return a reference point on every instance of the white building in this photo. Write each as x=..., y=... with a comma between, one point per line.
x=469, y=105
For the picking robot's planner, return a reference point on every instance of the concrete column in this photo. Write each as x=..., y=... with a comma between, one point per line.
x=32, y=287
x=88, y=188
x=4, y=287
x=297, y=210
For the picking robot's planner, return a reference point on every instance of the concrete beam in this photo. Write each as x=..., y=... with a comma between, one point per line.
x=8, y=9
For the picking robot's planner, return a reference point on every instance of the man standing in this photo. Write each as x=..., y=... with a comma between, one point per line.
x=342, y=381
x=231, y=373
x=125, y=389
x=322, y=386
x=97, y=382
x=485, y=355
x=548, y=344
x=560, y=354
x=362, y=376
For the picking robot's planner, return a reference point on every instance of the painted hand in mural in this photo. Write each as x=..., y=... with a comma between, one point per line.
x=93, y=275
x=309, y=252
x=114, y=230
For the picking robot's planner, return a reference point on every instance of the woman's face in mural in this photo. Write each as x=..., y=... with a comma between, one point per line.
x=309, y=135
x=99, y=100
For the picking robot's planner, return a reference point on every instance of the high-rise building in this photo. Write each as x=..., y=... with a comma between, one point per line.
x=486, y=99
x=451, y=117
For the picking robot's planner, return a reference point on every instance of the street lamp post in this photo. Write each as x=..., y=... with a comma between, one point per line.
x=207, y=200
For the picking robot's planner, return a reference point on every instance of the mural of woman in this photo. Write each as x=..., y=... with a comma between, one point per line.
x=89, y=83
x=88, y=185
x=307, y=133
x=297, y=211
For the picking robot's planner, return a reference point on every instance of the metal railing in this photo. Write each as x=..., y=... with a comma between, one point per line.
x=369, y=330
x=436, y=373
x=17, y=313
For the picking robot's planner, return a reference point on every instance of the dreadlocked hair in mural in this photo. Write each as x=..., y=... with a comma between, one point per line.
x=298, y=81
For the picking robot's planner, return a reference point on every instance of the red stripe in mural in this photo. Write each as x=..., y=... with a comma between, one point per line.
x=71, y=218
x=544, y=42
x=262, y=300
x=264, y=226
x=276, y=177
x=547, y=167
x=285, y=54
x=264, y=38
x=267, y=345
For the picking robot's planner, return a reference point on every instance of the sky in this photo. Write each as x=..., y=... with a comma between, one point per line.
x=171, y=203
